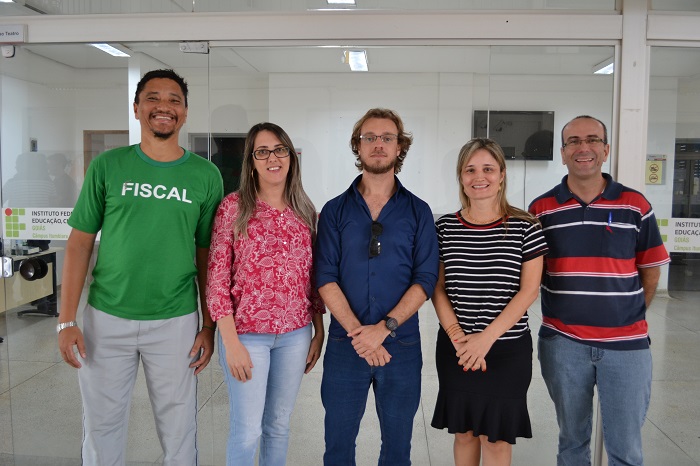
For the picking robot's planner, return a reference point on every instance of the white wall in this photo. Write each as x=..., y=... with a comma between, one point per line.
x=236, y=102
x=319, y=111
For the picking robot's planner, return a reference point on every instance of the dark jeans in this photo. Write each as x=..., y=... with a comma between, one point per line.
x=346, y=382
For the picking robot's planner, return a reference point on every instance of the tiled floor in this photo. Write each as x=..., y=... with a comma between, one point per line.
x=40, y=411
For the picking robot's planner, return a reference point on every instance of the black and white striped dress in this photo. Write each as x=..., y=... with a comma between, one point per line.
x=482, y=274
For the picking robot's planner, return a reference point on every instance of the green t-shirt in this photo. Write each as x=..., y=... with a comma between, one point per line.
x=152, y=216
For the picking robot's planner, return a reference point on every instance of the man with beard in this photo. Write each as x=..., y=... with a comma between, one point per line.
x=376, y=263
x=154, y=204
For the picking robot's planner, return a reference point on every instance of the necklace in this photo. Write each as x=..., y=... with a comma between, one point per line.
x=481, y=222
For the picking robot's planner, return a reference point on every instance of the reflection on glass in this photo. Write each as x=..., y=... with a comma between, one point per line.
x=31, y=186
x=65, y=186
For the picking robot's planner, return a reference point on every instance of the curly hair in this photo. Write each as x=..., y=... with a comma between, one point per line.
x=161, y=74
x=405, y=139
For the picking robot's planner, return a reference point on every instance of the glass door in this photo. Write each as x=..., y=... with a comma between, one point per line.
x=685, y=267
x=61, y=105
x=41, y=166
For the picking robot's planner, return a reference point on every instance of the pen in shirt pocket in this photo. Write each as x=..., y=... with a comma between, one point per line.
x=609, y=222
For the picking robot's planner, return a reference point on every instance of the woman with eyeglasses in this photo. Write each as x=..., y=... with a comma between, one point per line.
x=491, y=257
x=261, y=296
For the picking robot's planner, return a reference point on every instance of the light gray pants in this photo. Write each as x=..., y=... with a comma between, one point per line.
x=114, y=347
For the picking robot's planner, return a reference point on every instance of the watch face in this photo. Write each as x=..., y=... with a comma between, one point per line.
x=392, y=324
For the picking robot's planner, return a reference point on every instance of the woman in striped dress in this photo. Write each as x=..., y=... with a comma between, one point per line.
x=491, y=257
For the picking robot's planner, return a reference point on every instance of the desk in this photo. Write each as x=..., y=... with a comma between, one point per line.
x=41, y=293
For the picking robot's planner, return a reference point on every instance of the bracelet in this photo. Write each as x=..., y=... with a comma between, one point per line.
x=456, y=324
x=213, y=329
x=453, y=330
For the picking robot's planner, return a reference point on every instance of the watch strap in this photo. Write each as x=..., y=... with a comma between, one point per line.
x=65, y=325
x=391, y=325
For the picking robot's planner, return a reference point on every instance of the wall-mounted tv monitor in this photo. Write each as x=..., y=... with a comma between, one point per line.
x=522, y=135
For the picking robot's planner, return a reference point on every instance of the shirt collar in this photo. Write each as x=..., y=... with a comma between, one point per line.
x=612, y=189
x=353, y=187
x=263, y=206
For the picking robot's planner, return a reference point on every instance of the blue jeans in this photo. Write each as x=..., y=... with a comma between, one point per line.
x=570, y=370
x=344, y=389
x=260, y=408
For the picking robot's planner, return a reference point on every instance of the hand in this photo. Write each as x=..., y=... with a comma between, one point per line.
x=367, y=338
x=314, y=351
x=204, y=342
x=473, y=350
x=238, y=360
x=379, y=357
x=67, y=339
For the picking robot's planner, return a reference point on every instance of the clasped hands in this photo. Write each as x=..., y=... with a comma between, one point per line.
x=472, y=349
x=367, y=341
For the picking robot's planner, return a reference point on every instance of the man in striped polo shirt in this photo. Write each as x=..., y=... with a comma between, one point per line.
x=601, y=273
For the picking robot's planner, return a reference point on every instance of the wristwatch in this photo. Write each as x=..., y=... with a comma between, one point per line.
x=391, y=324
x=64, y=325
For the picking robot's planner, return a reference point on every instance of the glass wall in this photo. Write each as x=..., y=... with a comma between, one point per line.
x=674, y=147
x=62, y=104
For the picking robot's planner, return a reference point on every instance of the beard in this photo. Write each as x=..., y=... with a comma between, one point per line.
x=163, y=135
x=379, y=169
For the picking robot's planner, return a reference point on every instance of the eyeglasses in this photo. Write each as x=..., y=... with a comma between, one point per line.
x=264, y=154
x=589, y=141
x=375, y=246
x=385, y=138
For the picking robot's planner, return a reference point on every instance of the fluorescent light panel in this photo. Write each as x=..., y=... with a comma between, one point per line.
x=357, y=59
x=604, y=67
x=608, y=69
x=340, y=2
x=110, y=50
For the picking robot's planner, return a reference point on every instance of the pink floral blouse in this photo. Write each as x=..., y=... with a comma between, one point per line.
x=265, y=279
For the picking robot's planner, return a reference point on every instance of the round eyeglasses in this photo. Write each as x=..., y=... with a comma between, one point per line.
x=264, y=154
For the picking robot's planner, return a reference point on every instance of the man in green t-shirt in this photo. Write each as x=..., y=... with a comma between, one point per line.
x=153, y=204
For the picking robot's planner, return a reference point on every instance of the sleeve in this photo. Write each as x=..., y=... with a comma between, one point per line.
x=650, y=251
x=440, y=238
x=534, y=243
x=89, y=210
x=219, y=269
x=215, y=191
x=317, y=304
x=327, y=251
x=425, y=256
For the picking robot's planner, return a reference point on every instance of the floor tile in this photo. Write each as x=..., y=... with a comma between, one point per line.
x=44, y=404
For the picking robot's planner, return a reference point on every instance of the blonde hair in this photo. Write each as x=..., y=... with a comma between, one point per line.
x=294, y=193
x=492, y=147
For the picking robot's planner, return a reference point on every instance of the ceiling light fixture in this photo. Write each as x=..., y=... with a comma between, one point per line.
x=357, y=59
x=607, y=66
x=340, y=2
x=115, y=52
